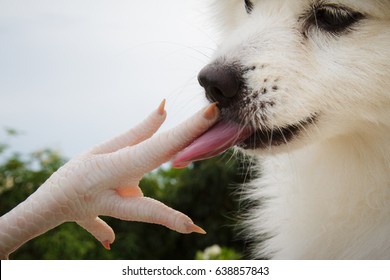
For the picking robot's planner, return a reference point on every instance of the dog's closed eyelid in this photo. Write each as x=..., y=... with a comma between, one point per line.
x=333, y=19
x=336, y=20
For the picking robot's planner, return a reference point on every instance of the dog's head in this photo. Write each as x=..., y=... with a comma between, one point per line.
x=298, y=71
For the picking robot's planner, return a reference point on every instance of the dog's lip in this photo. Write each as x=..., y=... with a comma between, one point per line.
x=265, y=138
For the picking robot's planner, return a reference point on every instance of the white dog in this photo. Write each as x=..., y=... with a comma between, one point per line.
x=310, y=81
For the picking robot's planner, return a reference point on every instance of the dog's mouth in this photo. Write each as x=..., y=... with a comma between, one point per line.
x=265, y=138
x=226, y=134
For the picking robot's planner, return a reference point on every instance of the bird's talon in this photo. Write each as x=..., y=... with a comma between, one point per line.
x=191, y=227
x=106, y=244
x=211, y=112
x=161, y=108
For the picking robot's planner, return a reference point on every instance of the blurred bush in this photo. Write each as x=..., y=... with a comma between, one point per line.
x=215, y=252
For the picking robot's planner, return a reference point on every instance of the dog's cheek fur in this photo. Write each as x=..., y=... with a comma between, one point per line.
x=228, y=14
x=329, y=199
x=350, y=76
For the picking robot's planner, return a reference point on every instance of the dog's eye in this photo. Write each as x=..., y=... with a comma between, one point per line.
x=334, y=19
x=248, y=6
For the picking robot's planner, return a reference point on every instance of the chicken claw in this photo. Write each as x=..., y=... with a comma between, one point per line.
x=104, y=181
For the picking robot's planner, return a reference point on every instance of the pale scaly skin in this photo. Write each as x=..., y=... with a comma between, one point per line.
x=104, y=181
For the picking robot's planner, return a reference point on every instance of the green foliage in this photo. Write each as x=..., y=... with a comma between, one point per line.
x=215, y=252
x=203, y=191
x=20, y=176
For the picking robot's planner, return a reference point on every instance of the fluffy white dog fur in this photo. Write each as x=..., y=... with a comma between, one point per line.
x=324, y=193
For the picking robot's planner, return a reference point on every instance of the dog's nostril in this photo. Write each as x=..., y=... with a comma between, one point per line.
x=220, y=82
x=214, y=91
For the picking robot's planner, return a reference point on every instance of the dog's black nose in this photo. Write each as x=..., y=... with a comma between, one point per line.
x=220, y=82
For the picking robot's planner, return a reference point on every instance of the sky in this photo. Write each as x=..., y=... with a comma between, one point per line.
x=75, y=73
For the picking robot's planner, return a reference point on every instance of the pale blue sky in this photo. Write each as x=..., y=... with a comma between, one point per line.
x=76, y=72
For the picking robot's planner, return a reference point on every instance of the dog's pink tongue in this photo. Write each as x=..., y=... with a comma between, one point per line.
x=216, y=140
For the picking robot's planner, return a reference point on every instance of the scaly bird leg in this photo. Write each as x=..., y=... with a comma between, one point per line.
x=104, y=181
